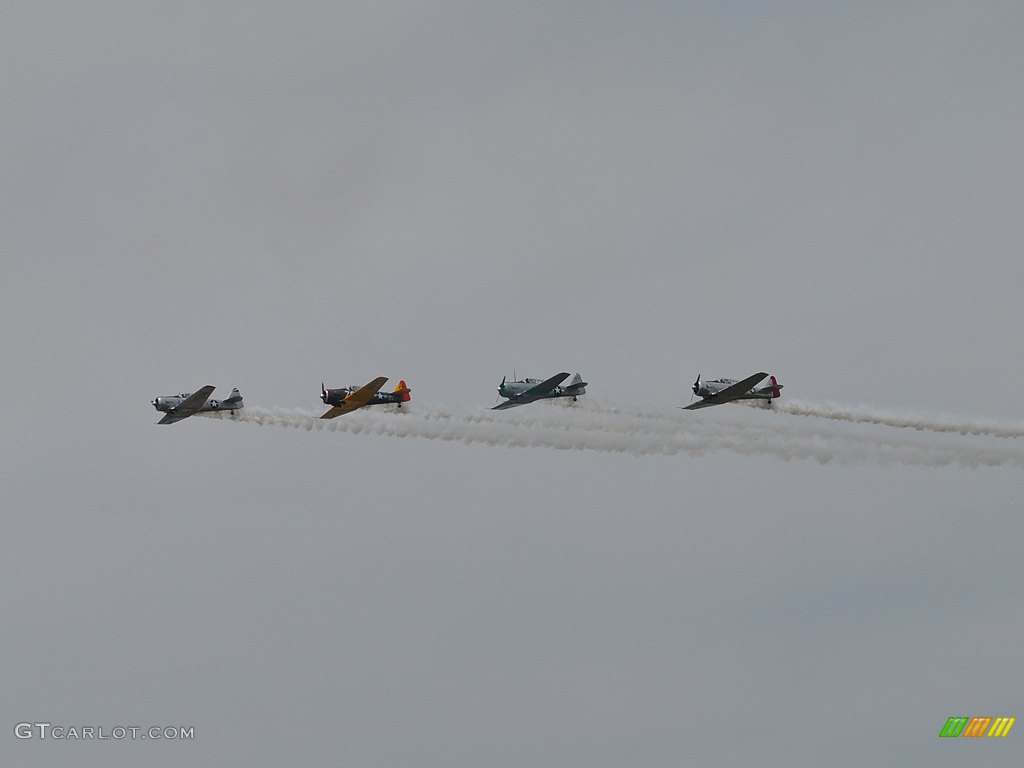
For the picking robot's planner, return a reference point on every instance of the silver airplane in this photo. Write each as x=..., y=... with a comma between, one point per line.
x=718, y=391
x=178, y=407
x=528, y=390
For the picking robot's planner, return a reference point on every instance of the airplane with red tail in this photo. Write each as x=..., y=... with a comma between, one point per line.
x=719, y=391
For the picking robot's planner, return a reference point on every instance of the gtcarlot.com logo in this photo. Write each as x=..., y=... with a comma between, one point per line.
x=977, y=727
x=48, y=731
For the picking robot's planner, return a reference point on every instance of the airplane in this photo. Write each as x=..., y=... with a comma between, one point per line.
x=178, y=407
x=718, y=391
x=348, y=399
x=528, y=390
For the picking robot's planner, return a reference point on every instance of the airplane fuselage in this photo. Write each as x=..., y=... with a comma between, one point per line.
x=168, y=403
x=337, y=396
x=513, y=389
x=714, y=386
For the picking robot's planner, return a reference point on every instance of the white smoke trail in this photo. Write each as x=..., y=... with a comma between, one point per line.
x=847, y=413
x=618, y=431
x=918, y=422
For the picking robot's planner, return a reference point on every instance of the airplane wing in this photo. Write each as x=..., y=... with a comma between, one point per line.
x=510, y=404
x=188, y=406
x=533, y=393
x=700, y=404
x=727, y=395
x=357, y=399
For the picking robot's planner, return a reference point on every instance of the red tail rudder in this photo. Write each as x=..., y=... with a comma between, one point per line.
x=404, y=391
x=775, y=388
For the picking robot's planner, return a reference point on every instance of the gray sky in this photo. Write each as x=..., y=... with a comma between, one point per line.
x=271, y=196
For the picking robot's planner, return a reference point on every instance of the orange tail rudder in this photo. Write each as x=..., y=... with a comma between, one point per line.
x=404, y=391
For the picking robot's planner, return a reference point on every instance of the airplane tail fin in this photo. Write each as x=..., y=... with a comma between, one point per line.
x=576, y=384
x=775, y=388
x=236, y=397
x=403, y=390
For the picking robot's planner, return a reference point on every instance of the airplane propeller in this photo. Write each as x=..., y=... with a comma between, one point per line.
x=696, y=387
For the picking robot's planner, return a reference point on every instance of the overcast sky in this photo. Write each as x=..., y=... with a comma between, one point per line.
x=269, y=196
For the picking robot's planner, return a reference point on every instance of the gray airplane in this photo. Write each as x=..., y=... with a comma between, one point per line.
x=718, y=391
x=528, y=390
x=178, y=407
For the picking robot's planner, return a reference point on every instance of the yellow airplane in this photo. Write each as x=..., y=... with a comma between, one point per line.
x=348, y=399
